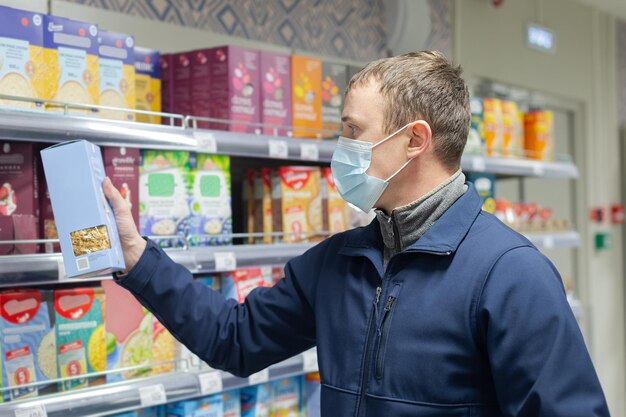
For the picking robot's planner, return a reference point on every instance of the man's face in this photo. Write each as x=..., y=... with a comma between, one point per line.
x=362, y=117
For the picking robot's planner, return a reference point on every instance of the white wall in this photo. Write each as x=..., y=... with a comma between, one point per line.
x=490, y=43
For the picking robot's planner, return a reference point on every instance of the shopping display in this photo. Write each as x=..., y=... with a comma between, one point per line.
x=147, y=84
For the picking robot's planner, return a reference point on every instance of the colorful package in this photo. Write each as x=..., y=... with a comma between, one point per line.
x=211, y=220
x=276, y=93
x=312, y=392
x=297, y=203
x=256, y=401
x=47, y=226
x=485, y=186
x=334, y=207
x=122, y=167
x=180, y=100
x=475, y=139
x=158, y=411
x=21, y=54
x=80, y=334
x=163, y=348
x=19, y=196
x=238, y=284
x=166, y=62
x=84, y=219
x=492, y=117
x=235, y=90
x=27, y=341
x=306, y=93
x=201, y=98
x=249, y=203
x=285, y=397
x=164, y=189
x=128, y=333
x=72, y=61
x=263, y=217
x=207, y=407
x=334, y=82
x=147, y=84
x=117, y=74
x=512, y=132
x=213, y=281
x=539, y=140
x=232, y=403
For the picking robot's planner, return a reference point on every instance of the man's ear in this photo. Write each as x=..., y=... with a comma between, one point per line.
x=421, y=137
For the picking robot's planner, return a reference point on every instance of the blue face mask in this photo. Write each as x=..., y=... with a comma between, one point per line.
x=349, y=165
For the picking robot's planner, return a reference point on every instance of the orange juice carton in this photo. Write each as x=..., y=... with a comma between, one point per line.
x=539, y=141
x=72, y=61
x=147, y=84
x=117, y=74
x=22, y=69
x=512, y=139
x=121, y=165
x=263, y=214
x=333, y=206
x=492, y=117
x=334, y=82
x=306, y=93
x=238, y=284
x=180, y=99
x=276, y=93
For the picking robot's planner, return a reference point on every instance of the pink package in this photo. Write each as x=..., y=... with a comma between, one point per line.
x=201, y=80
x=276, y=92
x=181, y=88
x=235, y=88
x=167, y=75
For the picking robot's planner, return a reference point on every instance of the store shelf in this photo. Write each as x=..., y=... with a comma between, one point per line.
x=124, y=396
x=519, y=167
x=558, y=240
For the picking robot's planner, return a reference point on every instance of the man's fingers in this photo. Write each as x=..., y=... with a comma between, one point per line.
x=113, y=195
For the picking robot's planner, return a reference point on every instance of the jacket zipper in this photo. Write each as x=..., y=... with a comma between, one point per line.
x=383, y=330
x=368, y=352
x=396, y=233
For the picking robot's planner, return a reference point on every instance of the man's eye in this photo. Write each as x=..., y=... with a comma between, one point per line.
x=353, y=130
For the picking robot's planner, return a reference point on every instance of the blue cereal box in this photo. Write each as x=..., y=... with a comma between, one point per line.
x=205, y=407
x=256, y=400
x=84, y=219
x=232, y=403
x=285, y=397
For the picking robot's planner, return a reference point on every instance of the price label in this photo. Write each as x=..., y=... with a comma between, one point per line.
x=225, y=261
x=479, y=164
x=210, y=382
x=538, y=169
x=309, y=361
x=309, y=152
x=548, y=242
x=35, y=411
x=259, y=377
x=61, y=269
x=278, y=149
x=152, y=395
x=206, y=141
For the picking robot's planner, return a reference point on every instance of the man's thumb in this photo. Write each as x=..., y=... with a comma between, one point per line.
x=113, y=195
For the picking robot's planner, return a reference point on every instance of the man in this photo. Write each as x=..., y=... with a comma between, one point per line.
x=434, y=309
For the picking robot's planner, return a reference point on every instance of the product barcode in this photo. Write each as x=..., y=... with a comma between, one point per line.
x=35, y=411
x=82, y=264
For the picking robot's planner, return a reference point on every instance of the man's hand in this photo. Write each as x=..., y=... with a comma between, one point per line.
x=133, y=244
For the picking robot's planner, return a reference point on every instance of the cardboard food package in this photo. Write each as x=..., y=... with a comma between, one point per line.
x=166, y=62
x=512, y=132
x=180, y=100
x=21, y=53
x=239, y=283
x=334, y=83
x=47, y=226
x=539, y=140
x=335, y=214
x=117, y=74
x=249, y=203
x=72, y=62
x=163, y=348
x=476, y=137
x=492, y=117
x=256, y=400
x=306, y=93
x=121, y=165
x=211, y=406
x=201, y=67
x=84, y=219
x=232, y=403
x=263, y=210
x=276, y=93
x=485, y=186
x=285, y=397
x=312, y=390
x=147, y=84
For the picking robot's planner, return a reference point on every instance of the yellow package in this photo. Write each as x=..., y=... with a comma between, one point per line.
x=493, y=126
x=539, y=140
x=147, y=84
x=117, y=74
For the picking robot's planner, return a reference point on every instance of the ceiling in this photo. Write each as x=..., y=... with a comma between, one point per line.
x=614, y=7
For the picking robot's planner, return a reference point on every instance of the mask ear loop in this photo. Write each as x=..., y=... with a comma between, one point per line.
x=401, y=168
x=392, y=135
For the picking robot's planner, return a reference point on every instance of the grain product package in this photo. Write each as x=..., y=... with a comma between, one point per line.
x=206, y=407
x=334, y=82
x=27, y=342
x=306, y=93
x=263, y=215
x=80, y=335
x=147, y=84
x=334, y=207
x=117, y=74
x=180, y=100
x=285, y=397
x=311, y=393
x=19, y=196
x=485, y=186
x=163, y=348
x=492, y=118
x=71, y=60
x=276, y=93
x=129, y=329
x=201, y=85
x=121, y=165
x=512, y=130
x=166, y=63
x=539, y=140
x=256, y=400
x=239, y=283
x=164, y=190
x=47, y=226
x=84, y=219
x=21, y=54
x=475, y=138
x=211, y=220
x=232, y=403
x=297, y=203
x=235, y=90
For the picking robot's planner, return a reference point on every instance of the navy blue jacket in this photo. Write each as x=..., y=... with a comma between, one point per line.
x=471, y=320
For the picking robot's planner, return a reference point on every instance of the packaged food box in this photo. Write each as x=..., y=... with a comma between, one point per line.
x=297, y=203
x=277, y=274
x=158, y=411
x=121, y=165
x=72, y=62
x=306, y=93
x=213, y=281
x=211, y=220
x=129, y=329
x=166, y=62
x=256, y=400
x=492, y=117
x=276, y=93
x=147, y=84
x=285, y=397
x=312, y=392
x=84, y=219
x=207, y=407
x=80, y=335
x=539, y=140
x=334, y=207
x=117, y=74
x=334, y=83
x=180, y=101
x=485, y=186
x=21, y=53
x=27, y=342
x=239, y=283
x=19, y=196
x=201, y=66
x=235, y=88
x=164, y=189
x=263, y=211
x=512, y=132
x=47, y=226
x=232, y=403
x=249, y=203
x=163, y=348
x=476, y=136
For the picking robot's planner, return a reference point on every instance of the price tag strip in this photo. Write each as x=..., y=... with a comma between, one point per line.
x=34, y=411
x=152, y=395
x=206, y=141
x=309, y=152
x=278, y=149
x=309, y=361
x=479, y=164
x=259, y=377
x=225, y=261
x=211, y=382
